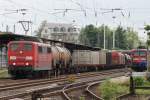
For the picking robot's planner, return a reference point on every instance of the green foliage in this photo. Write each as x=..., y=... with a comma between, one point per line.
x=141, y=47
x=121, y=40
x=148, y=33
x=4, y=73
x=147, y=27
x=132, y=38
x=109, y=90
x=82, y=98
x=148, y=42
x=71, y=79
x=94, y=36
x=139, y=81
x=88, y=35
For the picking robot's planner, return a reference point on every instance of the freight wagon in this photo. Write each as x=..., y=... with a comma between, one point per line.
x=94, y=60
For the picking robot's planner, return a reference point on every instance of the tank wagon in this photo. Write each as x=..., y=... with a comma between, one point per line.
x=27, y=58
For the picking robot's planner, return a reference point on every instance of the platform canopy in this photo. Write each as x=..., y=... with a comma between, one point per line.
x=6, y=37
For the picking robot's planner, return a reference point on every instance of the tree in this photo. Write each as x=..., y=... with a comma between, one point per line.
x=41, y=28
x=124, y=38
x=120, y=38
x=132, y=38
x=88, y=35
x=147, y=28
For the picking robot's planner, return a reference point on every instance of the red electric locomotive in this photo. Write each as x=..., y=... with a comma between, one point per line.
x=139, y=59
x=28, y=58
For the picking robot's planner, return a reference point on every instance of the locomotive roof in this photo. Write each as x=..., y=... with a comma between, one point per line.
x=30, y=42
x=139, y=50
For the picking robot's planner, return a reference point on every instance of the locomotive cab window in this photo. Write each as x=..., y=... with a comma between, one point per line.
x=49, y=50
x=40, y=49
x=142, y=53
x=44, y=50
x=27, y=47
x=14, y=46
x=136, y=53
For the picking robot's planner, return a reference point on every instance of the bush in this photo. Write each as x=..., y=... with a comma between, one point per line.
x=148, y=75
x=139, y=81
x=71, y=79
x=4, y=73
x=82, y=98
x=109, y=90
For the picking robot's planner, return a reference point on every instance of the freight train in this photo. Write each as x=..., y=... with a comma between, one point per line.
x=27, y=58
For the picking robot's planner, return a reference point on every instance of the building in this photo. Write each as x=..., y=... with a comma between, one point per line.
x=60, y=31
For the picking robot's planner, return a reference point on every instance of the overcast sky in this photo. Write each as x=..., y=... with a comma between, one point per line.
x=134, y=13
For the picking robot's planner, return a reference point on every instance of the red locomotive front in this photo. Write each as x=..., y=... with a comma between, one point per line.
x=26, y=57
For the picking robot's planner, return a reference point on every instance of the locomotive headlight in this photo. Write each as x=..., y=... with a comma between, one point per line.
x=27, y=64
x=28, y=58
x=12, y=58
x=14, y=64
x=135, y=59
x=143, y=58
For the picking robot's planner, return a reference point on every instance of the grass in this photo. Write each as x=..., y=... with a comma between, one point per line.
x=142, y=91
x=109, y=90
x=4, y=73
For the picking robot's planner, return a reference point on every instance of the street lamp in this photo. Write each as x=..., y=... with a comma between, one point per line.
x=113, y=33
x=104, y=37
x=110, y=11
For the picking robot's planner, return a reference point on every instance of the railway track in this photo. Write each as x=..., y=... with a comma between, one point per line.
x=82, y=89
x=60, y=84
x=92, y=93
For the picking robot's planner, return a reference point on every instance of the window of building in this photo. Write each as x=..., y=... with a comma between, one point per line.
x=46, y=31
x=70, y=29
x=63, y=29
x=50, y=29
x=74, y=29
x=56, y=29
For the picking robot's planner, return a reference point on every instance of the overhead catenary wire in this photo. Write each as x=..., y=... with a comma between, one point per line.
x=80, y=6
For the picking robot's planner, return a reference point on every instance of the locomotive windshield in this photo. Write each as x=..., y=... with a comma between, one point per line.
x=136, y=53
x=139, y=53
x=27, y=47
x=24, y=47
x=14, y=46
x=142, y=53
